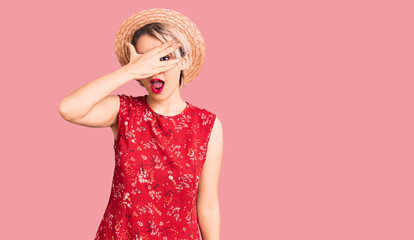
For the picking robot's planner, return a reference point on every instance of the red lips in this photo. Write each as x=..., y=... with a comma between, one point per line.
x=157, y=85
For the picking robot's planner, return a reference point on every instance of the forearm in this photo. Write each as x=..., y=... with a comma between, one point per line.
x=209, y=221
x=83, y=99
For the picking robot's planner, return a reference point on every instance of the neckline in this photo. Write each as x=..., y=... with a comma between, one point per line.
x=165, y=116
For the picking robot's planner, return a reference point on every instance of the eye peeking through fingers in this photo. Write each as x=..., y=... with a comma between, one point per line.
x=165, y=58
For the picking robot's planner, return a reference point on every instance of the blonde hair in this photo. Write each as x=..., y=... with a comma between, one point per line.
x=159, y=31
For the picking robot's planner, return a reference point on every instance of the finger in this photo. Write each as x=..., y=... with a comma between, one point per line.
x=167, y=67
x=161, y=47
x=168, y=50
x=177, y=61
x=131, y=48
x=171, y=63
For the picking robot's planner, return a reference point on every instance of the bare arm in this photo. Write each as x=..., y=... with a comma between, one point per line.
x=208, y=212
x=90, y=104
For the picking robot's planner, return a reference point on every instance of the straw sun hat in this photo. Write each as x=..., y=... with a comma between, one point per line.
x=177, y=20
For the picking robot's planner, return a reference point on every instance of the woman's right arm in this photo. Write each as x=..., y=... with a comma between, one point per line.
x=91, y=105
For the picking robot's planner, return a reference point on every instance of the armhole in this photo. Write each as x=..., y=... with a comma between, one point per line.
x=120, y=117
x=210, y=130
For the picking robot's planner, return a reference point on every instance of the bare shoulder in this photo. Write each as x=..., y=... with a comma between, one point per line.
x=217, y=126
x=216, y=138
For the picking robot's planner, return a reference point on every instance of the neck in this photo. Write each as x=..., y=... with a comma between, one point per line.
x=169, y=106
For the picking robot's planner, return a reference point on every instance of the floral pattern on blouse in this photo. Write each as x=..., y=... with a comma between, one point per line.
x=158, y=163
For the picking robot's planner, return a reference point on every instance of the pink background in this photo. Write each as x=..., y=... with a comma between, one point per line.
x=315, y=98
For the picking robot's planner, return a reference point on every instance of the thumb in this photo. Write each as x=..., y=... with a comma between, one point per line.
x=131, y=48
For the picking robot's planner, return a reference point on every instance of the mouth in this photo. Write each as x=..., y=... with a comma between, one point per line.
x=157, y=85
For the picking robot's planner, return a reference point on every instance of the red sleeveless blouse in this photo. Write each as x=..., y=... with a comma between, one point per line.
x=158, y=162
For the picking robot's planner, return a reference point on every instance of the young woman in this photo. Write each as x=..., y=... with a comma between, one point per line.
x=168, y=152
